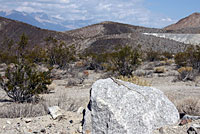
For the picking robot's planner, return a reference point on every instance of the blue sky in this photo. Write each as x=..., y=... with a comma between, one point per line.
x=151, y=13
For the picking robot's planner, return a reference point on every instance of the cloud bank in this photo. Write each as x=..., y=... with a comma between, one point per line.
x=125, y=11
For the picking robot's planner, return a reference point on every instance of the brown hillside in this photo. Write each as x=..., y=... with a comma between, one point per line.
x=14, y=29
x=97, y=38
x=192, y=21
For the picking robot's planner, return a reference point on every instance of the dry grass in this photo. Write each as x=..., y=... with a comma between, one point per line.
x=187, y=73
x=16, y=110
x=136, y=80
x=159, y=69
x=188, y=105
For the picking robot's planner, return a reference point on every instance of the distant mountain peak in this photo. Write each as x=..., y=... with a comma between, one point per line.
x=191, y=21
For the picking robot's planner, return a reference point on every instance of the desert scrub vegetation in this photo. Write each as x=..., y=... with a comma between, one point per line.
x=22, y=82
x=188, y=63
x=123, y=60
x=187, y=73
x=135, y=80
x=190, y=57
x=151, y=55
x=61, y=55
x=54, y=52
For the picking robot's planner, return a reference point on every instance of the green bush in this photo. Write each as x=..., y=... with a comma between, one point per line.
x=122, y=61
x=152, y=55
x=22, y=82
x=190, y=57
x=36, y=55
x=60, y=54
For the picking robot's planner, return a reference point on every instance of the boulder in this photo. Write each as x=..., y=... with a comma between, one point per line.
x=55, y=112
x=118, y=107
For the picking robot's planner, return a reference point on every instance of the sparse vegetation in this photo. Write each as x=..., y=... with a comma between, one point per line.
x=188, y=105
x=122, y=61
x=186, y=73
x=190, y=57
x=23, y=82
x=59, y=54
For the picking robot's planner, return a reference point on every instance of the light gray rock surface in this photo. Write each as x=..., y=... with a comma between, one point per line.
x=55, y=112
x=118, y=107
x=184, y=38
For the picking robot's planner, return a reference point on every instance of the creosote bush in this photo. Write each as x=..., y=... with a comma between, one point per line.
x=22, y=82
x=152, y=55
x=60, y=54
x=190, y=57
x=123, y=60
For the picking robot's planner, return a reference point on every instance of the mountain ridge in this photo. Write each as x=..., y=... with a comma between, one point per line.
x=98, y=37
x=191, y=21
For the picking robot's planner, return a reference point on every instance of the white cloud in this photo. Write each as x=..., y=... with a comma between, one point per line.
x=126, y=11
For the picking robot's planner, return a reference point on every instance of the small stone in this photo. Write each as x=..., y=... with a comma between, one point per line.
x=55, y=112
x=71, y=121
x=80, y=110
x=49, y=126
x=8, y=122
x=43, y=130
x=27, y=120
x=35, y=132
x=4, y=127
x=80, y=129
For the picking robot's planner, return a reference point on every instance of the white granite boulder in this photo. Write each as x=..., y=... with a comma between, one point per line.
x=118, y=107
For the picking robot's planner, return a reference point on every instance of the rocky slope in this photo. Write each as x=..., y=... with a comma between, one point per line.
x=14, y=29
x=191, y=24
x=105, y=35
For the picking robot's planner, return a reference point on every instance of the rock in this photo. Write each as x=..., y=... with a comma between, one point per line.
x=43, y=130
x=27, y=120
x=80, y=110
x=80, y=129
x=191, y=117
x=71, y=121
x=118, y=107
x=55, y=112
x=194, y=129
x=8, y=122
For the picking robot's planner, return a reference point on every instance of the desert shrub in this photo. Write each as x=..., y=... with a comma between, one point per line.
x=167, y=55
x=7, y=57
x=135, y=79
x=181, y=59
x=124, y=60
x=6, y=54
x=60, y=54
x=22, y=82
x=190, y=57
x=36, y=55
x=186, y=73
x=152, y=55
